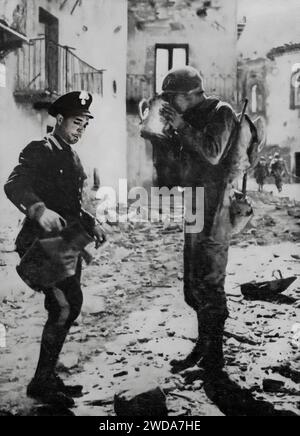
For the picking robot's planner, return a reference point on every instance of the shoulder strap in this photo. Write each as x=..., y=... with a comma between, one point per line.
x=213, y=106
x=233, y=135
x=51, y=141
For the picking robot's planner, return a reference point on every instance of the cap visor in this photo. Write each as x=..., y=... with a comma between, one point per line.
x=84, y=113
x=67, y=113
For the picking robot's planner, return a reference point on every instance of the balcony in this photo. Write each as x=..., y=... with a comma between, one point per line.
x=10, y=39
x=46, y=70
x=223, y=86
x=139, y=86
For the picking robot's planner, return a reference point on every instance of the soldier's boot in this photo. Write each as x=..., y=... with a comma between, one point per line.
x=45, y=392
x=195, y=355
x=213, y=358
x=190, y=360
x=43, y=387
x=208, y=351
x=74, y=391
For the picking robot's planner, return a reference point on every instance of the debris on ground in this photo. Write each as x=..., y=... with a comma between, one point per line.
x=135, y=320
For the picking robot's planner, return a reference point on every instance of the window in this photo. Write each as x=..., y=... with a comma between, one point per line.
x=169, y=56
x=257, y=99
x=295, y=87
x=2, y=75
x=254, y=99
x=297, y=164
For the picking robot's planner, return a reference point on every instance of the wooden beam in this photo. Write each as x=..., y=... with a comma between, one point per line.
x=77, y=3
x=63, y=4
x=14, y=32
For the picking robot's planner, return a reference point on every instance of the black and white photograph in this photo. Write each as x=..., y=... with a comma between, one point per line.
x=150, y=210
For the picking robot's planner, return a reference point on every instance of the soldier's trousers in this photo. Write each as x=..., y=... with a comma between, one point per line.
x=205, y=261
x=63, y=304
x=278, y=181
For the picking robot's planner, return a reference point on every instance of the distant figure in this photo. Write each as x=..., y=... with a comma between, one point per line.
x=261, y=172
x=277, y=170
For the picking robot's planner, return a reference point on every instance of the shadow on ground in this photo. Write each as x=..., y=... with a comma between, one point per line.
x=233, y=400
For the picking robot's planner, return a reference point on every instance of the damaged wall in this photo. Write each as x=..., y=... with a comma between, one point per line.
x=98, y=31
x=209, y=29
x=273, y=76
x=14, y=13
x=210, y=33
x=252, y=84
x=283, y=122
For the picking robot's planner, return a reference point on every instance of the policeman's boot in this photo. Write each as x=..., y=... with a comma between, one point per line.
x=43, y=386
x=195, y=355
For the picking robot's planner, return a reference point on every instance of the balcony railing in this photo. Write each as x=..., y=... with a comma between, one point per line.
x=141, y=86
x=223, y=86
x=45, y=68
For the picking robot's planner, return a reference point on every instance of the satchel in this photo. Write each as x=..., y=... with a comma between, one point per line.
x=241, y=211
x=51, y=261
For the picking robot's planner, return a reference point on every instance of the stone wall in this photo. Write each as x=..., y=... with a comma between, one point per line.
x=98, y=31
x=282, y=121
x=209, y=29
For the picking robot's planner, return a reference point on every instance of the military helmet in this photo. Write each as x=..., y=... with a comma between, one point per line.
x=182, y=80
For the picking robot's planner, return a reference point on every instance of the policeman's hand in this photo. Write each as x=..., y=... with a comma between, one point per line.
x=172, y=116
x=51, y=221
x=99, y=235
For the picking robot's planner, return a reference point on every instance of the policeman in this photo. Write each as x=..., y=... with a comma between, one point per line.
x=47, y=187
x=203, y=152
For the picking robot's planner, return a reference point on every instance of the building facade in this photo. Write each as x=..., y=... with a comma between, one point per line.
x=272, y=85
x=283, y=103
x=167, y=33
x=74, y=45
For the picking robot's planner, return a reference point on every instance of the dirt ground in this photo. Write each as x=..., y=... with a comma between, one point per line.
x=134, y=320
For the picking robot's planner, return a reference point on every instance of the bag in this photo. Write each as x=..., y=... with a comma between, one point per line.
x=50, y=261
x=241, y=211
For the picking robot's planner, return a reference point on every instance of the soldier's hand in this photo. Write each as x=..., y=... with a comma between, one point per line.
x=172, y=116
x=51, y=221
x=99, y=235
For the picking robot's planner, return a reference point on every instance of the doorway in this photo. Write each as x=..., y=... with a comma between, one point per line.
x=51, y=24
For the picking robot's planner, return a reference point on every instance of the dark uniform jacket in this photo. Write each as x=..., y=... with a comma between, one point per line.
x=49, y=172
x=277, y=167
x=261, y=172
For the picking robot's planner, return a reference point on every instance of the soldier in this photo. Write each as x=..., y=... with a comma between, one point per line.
x=47, y=187
x=203, y=150
x=261, y=172
x=277, y=170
